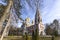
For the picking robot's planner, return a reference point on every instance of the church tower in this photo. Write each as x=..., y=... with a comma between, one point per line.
x=38, y=20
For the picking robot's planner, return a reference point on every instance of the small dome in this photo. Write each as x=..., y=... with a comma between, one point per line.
x=27, y=19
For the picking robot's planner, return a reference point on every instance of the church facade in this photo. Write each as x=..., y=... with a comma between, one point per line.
x=37, y=23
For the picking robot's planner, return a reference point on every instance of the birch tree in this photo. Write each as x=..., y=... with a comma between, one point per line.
x=4, y=16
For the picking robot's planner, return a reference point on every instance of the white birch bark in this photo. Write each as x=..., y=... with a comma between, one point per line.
x=5, y=14
x=3, y=18
x=5, y=30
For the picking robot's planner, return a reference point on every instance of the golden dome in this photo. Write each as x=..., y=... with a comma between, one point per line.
x=27, y=19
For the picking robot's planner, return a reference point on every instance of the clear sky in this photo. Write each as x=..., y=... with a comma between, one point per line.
x=49, y=9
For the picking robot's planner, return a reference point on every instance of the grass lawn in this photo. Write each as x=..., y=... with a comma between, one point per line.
x=21, y=38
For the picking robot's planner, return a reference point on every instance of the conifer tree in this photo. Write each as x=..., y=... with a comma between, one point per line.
x=33, y=36
x=36, y=34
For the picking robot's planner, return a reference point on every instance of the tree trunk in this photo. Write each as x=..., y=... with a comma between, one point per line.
x=3, y=18
x=5, y=14
x=5, y=30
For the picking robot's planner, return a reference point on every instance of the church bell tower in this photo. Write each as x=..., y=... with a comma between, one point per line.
x=38, y=21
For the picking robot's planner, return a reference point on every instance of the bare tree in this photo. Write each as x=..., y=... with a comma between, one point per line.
x=5, y=14
x=5, y=30
x=3, y=18
x=15, y=4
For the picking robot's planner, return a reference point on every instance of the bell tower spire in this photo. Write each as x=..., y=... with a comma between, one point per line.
x=38, y=20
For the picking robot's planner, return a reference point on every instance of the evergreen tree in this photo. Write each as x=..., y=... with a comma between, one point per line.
x=25, y=37
x=52, y=38
x=33, y=36
x=36, y=34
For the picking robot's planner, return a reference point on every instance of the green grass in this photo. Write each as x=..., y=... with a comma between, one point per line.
x=20, y=38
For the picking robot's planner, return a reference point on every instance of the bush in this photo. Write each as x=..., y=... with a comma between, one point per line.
x=55, y=33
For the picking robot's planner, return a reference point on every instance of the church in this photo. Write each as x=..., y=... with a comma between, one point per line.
x=37, y=23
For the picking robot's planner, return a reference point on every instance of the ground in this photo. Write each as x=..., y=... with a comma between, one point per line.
x=20, y=38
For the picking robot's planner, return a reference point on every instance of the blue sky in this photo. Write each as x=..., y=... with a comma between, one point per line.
x=49, y=9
